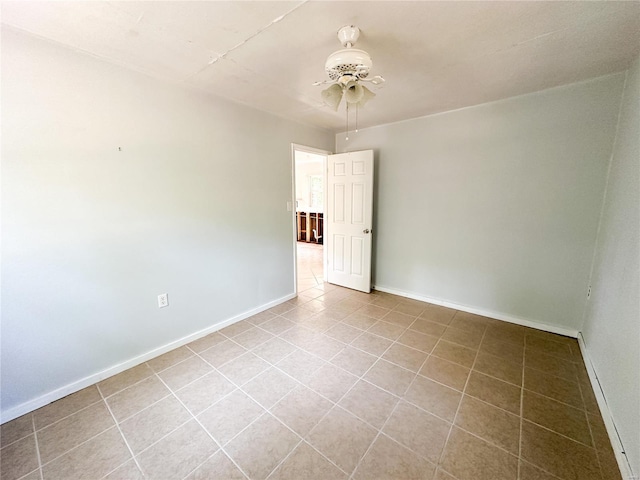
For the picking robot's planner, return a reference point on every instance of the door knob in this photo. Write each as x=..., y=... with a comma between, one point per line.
x=366, y=230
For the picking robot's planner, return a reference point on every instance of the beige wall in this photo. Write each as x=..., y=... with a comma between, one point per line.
x=116, y=188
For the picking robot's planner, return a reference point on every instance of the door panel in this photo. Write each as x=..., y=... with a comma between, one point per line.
x=349, y=219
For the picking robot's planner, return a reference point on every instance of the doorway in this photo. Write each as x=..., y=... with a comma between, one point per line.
x=309, y=181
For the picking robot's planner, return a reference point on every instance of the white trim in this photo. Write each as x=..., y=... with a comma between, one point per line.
x=616, y=442
x=485, y=313
x=73, y=387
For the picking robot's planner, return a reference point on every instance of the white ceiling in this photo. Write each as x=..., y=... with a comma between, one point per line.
x=435, y=56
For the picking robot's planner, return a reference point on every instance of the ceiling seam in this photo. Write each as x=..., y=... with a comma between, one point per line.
x=251, y=37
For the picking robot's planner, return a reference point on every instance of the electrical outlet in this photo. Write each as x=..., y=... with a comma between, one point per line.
x=589, y=292
x=163, y=300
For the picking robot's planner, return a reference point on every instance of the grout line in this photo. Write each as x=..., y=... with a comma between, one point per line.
x=62, y=418
x=120, y=431
x=35, y=437
x=453, y=422
x=519, y=473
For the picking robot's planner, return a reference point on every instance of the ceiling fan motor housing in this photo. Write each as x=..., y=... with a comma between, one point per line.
x=348, y=61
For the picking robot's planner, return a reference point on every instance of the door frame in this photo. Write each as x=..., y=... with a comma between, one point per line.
x=295, y=147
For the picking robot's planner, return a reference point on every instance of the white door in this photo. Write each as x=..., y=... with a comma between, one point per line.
x=349, y=219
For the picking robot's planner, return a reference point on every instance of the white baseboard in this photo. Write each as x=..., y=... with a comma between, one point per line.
x=616, y=443
x=73, y=387
x=485, y=313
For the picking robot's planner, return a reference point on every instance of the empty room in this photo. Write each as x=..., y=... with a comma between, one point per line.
x=320, y=240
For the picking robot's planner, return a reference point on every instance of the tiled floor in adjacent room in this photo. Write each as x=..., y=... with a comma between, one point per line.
x=335, y=384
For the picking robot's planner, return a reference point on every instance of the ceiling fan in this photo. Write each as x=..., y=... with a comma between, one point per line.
x=348, y=68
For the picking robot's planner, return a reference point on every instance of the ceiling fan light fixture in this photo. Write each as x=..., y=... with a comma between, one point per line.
x=366, y=96
x=332, y=96
x=353, y=92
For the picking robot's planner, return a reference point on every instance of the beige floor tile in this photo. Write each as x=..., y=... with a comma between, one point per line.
x=93, y=459
x=427, y=327
x=243, y=368
x=558, y=455
x=551, y=365
x=359, y=320
x=274, y=350
x=300, y=336
x=599, y=433
x=306, y=463
x=320, y=322
x=324, y=347
x=312, y=305
x=16, y=429
x=387, y=460
x=390, y=377
x=122, y=380
x=399, y=319
x=281, y=308
x=128, y=471
x=455, y=353
x=446, y=372
x=169, y=359
x=411, y=309
x=406, y=357
x=262, y=446
x=499, y=368
x=269, y=387
x=342, y=438
x=509, y=351
x=469, y=458
x=556, y=416
x=434, y=397
x=301, y=365
x=529, y=472
x=177, y=454
x=442, y=475
x=373, y=311
x=133, y=399
x=417, y=340
x=589, y=398
x=469, y=322
x=465, y=338
x=369, y=403
x=343, y=333
x=301, y=409
x=549, y=347
x=236, y=329
x=204, y=343
x=204, y=392
x=260, y=318
x=229, y=416
x=217, y=466
x=252, y=338
x=65, y=406
x=554, y=387
x=609, y=465
x=496, y=392
x=354, y=361
x=331, y=382
x=185, y=372
x=490, y=423
x=222, y=353
x=385, y=301
x=68, y=433
x=277, y=325
x=18, y=458
x=438, y=314
x=153, y=423
x=389, y=331
x=371, y=344
x=505, y=332
x=297, y=314
x=421, y=432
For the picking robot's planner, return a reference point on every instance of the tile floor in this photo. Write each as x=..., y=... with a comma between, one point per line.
x=335, y=384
